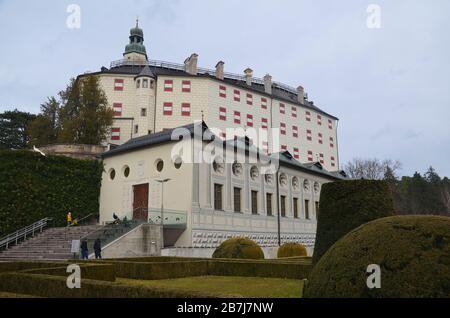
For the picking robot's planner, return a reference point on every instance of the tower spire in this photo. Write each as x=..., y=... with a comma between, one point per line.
x=137, y=21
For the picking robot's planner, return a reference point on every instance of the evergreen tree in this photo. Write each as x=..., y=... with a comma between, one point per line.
x=45, y=128
x=14, y=129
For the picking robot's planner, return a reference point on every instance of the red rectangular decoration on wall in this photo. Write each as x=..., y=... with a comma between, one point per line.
x=331, y=142
x=321, y=158
x=118, y=84
x=115, y=133
x=320, y=138
x=237, y=95
x=294, y=112
x=296, y=153
x=264, y=123
x=167, y=109
x=117, y=108
x=185, y=109
x=222, y=91
x=319, y=120
x=283, y=128
x=309, y=135
x=168, y=85
x=222, y=113
x=333, y=162
x=249, y=99
x=283, y=147
x=250, y=120
x=237, y=117
x=294, y=131
x=186, y=86
x=264, y=103
x=308, y=116
x=310, y=156
x=330, y=124
x=282, y=108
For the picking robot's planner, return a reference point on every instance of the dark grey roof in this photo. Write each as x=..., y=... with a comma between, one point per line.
x=165, y=136
x=146, y=71
x=259, y=88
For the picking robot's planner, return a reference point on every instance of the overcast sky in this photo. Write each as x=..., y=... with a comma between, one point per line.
x=389, y=86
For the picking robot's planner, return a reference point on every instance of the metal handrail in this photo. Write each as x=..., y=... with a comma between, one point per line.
x=82, y=219
x=201, y=70
x=18, y=235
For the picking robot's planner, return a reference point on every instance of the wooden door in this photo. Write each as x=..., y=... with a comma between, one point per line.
x=140, y=202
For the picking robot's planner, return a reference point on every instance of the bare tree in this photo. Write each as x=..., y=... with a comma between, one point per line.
x=372, y=169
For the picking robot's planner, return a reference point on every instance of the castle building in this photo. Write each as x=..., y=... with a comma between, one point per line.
x=149, y=96
x=152, y=175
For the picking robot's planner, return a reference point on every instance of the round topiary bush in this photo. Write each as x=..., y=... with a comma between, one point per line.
x=239, y=247
x=291, y=250
x=413, y=253
x=345, y=205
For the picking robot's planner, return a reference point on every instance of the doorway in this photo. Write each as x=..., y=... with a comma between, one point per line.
x=140, y=202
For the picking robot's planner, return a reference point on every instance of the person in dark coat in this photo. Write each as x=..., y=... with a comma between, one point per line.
x=98, y=249
x=84, y=250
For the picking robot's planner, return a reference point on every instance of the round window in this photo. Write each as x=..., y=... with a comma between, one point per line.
x=126, y=171
x=159, y=165
x=112, y=174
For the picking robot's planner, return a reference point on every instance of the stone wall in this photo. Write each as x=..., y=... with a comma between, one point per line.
x=78, y=151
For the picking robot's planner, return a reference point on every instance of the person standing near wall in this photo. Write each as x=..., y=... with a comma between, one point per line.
x=84, y=250
x=98, y=249
x=69, y=218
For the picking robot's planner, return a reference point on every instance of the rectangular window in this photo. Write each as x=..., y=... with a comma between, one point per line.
x=264, y=103
x=333, y=162
x=136, y=129
x=237, y=117
x=308, y=116
x=254, y=202
x=320, y=138
x=283, y=128
x=319, y=120
x=237, y=95
x=269, y=204
x=168, y=85
x=186, y=86
x=330, y=124
x=295, y=207
x=307, y=209
x=118, y=84
x=237, y=199
x=264, y=123
x=310, y=156
x=115, y=133
x=167, y=109
x=331, y=142
x=294, y=112
x=294, y=131
x=185, y=109
x=317, y=210
x=283, y=206
x=138, y=83
x=144, y=112
x=217, y=196
x=249, y=99
x=321, y=160
x=249, y=120
x=222, y=113
x=117, y=108
x=296, y=153
x=145, y=83
x=222, y=91
x=282, y=108
x=309, y=135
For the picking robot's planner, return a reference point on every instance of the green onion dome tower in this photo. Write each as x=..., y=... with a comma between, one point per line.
x=135, y=50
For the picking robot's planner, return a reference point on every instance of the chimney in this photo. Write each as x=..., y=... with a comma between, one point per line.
x=248, y=76
x=268, y=84
x=190, y=64
x=301, y=95
x=219, y=70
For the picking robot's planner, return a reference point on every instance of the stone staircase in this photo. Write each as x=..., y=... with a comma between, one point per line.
x=51, y=244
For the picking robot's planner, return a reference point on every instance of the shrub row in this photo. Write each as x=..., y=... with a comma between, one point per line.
x=33, y=187
x=103, y=272
x=55, y=286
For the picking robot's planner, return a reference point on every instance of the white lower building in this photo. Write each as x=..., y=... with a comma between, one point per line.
x=205, y=197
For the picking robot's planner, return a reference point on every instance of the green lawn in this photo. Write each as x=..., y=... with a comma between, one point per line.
x=257, y=287
x=14, y=295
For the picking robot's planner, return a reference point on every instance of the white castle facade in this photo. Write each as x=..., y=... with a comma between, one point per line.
x=207, y=202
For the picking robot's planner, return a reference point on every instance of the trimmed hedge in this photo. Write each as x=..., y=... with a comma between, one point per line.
x=55, y=287
x=413, y=253
x=102, y=272
x=291, y=250
x=33, y=187
x=239, y=247
x=345, y=205
x=160, y=270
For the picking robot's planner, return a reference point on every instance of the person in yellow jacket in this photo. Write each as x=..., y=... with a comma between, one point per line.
x=69, y=218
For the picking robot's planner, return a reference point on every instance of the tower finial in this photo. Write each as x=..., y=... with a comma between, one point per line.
x=137, y=21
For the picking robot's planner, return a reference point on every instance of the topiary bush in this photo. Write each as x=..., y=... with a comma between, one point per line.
x=291, y=250
x=413, y=253
x=33, y=187
x=345, y=205
x=239, y=247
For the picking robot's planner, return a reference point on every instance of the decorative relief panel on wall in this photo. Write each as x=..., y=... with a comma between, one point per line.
x=203, y=239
